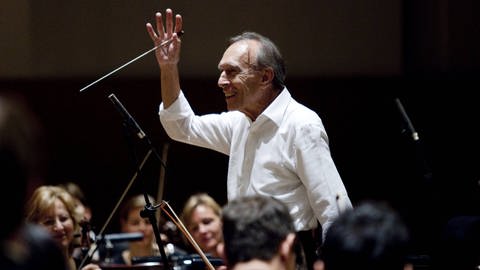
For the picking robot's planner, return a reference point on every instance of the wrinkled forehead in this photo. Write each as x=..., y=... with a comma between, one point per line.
x=241, y=53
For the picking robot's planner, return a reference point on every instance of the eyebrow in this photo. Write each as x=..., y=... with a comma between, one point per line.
x=227, y=64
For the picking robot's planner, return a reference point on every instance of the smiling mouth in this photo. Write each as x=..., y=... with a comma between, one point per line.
x=227, y=96
x=59, y=238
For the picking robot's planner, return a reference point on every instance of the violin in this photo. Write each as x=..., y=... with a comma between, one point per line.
x=86, y=237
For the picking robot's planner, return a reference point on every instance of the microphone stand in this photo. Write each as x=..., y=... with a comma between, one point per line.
x=94, y=246
x=426, y=172
x=149, y=211
x=422, y=198
x=132, y=125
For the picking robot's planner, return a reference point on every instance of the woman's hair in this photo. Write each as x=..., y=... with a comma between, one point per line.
x=196, y=200
x=43, y=200
x=76, y=191
x=132, y=203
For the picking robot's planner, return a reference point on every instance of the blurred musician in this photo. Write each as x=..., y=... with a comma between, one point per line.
x=23, y=245
x=131, y=222
x=54, y=208
x=202, y=217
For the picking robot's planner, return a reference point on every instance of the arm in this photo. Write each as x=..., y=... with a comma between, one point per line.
x=319, y=174
x=167, y=56
x=213, y=131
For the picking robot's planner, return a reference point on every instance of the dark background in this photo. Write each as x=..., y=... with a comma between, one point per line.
x=427, y=181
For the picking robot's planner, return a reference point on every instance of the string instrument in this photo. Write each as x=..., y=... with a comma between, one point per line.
x=85, y=237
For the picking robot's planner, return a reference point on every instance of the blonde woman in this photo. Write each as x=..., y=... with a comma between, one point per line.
x=54, y=208
x=202, y=216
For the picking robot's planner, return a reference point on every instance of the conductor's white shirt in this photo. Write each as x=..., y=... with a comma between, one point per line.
x=284, y=153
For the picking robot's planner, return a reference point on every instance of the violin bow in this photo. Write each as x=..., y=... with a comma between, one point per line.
x=171, y=214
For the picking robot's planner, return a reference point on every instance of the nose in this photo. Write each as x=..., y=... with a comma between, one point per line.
x=222, y=80
x=143, y=225
x=202, y=228
x=58, y=225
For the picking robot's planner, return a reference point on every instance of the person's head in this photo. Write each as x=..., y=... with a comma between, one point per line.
x=54, y=208
x=258, y=228
x=458, y=245
x=370, y=236
x=252, y=73
x=19, y=155
x=201, y=215
x=82, y=208
x=131, y=221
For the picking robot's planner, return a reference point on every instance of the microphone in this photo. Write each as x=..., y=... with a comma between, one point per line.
x=127, y=117
x=407, y=120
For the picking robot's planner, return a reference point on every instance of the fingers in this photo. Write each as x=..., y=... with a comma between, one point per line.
x=178, y=23
x=160, y=29
x=165, y=31
x=151, y=32
x=169, y=22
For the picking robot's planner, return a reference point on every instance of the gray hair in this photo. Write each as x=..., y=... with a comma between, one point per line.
x=268, y=56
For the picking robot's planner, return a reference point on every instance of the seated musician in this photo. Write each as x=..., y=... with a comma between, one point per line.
x=202, y=217
x=259, y=234
x=53, y=208
x=132, y=222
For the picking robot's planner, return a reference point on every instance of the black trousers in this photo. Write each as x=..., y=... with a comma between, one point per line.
x=310, y=241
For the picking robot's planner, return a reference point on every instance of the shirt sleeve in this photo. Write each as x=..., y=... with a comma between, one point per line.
x=211, y=131
x=325, y=190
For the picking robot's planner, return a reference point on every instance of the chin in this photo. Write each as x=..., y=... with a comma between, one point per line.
x=231, y=106
x=65, y=243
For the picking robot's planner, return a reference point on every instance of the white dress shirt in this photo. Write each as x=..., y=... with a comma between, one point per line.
x=284, y=153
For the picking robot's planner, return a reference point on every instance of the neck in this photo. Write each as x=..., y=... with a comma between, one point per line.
x=268, y=95
x=213, y=252
x=71, y=264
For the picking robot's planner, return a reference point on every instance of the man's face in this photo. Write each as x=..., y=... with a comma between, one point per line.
x=238, y=79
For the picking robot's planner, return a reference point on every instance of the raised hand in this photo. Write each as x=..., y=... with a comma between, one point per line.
x=167, y=34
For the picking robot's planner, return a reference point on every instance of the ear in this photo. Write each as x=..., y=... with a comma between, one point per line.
x=286, y=247
x=267, y=76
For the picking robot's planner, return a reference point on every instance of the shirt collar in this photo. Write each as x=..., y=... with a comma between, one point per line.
x=277, y=108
